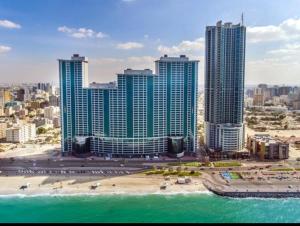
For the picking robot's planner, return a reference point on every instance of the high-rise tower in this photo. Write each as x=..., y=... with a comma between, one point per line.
x=181, y=94
x=224, y=86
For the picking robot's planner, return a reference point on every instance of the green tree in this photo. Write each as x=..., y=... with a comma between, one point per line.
x=41, y=130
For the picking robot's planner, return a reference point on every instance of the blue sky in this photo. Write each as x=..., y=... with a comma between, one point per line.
x=116, y=34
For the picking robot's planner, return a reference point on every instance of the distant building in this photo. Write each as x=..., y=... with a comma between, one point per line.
x=51, y=112
x=21, y=133
x=5, y=96
x=276, y=100
x=53, y=100
x=258, y=99
x=263, y=146
x=9, y=111
x=296, y=105
x=3, y=127
x=284, y=90
x=56, y=122
x=44, y=86
x=20, y=94
x=284, y=99
x=250, y=93
x=43, y=122
x=23, y=113
x=35, y=104
x=248, y=102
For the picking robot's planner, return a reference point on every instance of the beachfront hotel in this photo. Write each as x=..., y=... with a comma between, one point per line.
x=141, y=114
x=224, y=86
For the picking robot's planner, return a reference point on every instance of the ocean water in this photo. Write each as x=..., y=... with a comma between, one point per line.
x=147, y=208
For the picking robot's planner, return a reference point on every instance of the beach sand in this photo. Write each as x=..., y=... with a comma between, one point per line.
x=137, y=184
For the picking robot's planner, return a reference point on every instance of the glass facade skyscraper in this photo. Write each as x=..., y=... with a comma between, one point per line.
x=140, y=114
x=224, y=86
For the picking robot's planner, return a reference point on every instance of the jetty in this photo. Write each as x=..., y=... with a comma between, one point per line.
x=264, y=185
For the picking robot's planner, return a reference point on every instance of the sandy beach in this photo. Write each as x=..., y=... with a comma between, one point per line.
x=63, y=185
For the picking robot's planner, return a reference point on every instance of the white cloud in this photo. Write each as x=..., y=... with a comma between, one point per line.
x=9, y=24
x=184, y=47
x=287, y=30
x=130, y=45
x=272, y=71
x=288, y=49
x=4, y=49
x=81, y=32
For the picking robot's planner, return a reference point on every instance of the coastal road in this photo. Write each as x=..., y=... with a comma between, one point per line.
x=70, y=171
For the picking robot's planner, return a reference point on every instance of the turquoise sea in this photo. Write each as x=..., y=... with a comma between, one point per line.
x=148, y=208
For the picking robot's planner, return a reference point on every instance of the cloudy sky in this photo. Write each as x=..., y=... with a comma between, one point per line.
x=120, y=34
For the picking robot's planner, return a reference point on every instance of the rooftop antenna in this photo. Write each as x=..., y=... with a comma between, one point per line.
x=242, y=19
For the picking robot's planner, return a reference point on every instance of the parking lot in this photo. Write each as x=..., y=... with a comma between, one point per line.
x=39, y=172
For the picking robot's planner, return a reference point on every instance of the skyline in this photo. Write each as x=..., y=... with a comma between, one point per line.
x=35, y=43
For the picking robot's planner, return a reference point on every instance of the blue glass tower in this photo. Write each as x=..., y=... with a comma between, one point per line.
x=140, y=114
x=224, y=86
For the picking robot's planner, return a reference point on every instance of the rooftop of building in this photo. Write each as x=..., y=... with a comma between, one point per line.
x=267, y=138
x=181, y=58
x=109, y=85
x=130, y=71
x=76, y=57
x=226, y=25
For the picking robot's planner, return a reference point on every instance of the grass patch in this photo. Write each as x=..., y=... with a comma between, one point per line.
x=194, y=164
x=226, y=164
x=173, y=173
x=235, y=175
x=151, y=172
x=174, y=164
x=283, y=169
x=191, y=164
x=188, y=173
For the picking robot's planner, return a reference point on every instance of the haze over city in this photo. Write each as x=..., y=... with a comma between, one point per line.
x=120, y=34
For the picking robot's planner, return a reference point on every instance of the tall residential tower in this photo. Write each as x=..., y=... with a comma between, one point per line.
x=224, y=86
x=138, y=115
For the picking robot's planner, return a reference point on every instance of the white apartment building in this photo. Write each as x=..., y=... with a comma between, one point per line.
x=3, y=127
x=9, y=111
x=51, y=112
x=248, y=102
x=21, y=133
x=1, y=111
x=56, y=122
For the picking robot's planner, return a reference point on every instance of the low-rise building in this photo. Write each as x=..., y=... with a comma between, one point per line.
x=9, y=111
x=53, y=100
x=296, y=105
x=258, y=99
x=43, y=122
x=3, y=127
x=263, y=146
x=1, y=111
x=56, y=122
x=21, y=133
x=51, y=112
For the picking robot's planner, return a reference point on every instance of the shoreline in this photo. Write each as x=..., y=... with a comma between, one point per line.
x=130, y=185
x=137, y=185
x=19, y=195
